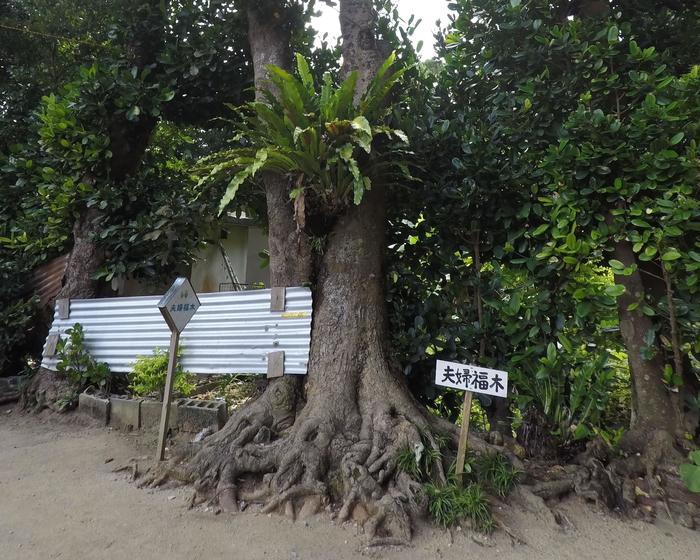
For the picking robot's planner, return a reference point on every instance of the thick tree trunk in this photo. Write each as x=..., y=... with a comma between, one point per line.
x=128, y=143
x=85, y=258
x=652, y=407
x=290, y=252
x=358, y=415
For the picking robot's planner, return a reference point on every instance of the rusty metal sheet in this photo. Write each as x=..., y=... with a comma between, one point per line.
x=47, y=280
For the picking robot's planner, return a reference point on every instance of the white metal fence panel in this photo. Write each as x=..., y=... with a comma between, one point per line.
x=232, y=332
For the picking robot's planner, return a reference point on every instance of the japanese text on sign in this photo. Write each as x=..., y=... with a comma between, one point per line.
x=472, y=378
x=179, y=304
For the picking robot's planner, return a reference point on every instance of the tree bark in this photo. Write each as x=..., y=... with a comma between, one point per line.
x=290, y=251
x=652, y=407
x=358, y=415
x=128, y=143
x=85, y=258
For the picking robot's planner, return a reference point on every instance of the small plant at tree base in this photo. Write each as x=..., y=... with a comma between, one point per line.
x=77, y=365
x=451, y=503
x=495, y=472
x=147, y=377
x=406, y=462
x=419, y=461
x=690, y=472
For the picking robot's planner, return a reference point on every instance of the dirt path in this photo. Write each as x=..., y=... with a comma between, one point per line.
x=59, y=499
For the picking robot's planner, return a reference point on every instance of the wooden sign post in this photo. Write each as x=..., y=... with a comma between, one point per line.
x=470, y=379
x=177, y=306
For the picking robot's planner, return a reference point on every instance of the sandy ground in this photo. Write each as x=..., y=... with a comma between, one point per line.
x=59, y=499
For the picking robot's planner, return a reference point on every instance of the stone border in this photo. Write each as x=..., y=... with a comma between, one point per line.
x=125, y=413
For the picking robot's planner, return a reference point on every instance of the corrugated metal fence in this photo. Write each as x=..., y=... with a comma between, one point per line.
x=47, y=279
x=232, y=332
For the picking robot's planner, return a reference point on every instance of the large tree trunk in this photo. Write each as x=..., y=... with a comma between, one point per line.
x=652, y=406
x=128, y=143
x=290, y=252
x=340, y=441
x=275, y=409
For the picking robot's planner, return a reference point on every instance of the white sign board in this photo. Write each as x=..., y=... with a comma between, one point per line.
x=179, y=304
x=472, y=378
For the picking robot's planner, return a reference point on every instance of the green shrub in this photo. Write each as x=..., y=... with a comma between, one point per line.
x=18, y=337
x=147, y=377
x=77, y=365
x=690, y=472
x=451, y=503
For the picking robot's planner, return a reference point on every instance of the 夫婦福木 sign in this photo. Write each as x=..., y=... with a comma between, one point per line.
x=470, y=379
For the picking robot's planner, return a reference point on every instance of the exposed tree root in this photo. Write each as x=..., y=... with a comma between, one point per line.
x=348, y=458
x=47, y=390
x=640, y=480
x=291, y=465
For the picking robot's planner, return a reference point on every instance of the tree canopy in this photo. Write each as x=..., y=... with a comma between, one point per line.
x=529, y=200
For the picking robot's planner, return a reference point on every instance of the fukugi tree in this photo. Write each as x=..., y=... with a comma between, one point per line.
x=540, y=86
x=97, y=191
x=326, y=155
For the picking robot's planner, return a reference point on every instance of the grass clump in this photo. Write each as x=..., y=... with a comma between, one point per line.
x=406, y=462
x=451, y=503
x=495, y=472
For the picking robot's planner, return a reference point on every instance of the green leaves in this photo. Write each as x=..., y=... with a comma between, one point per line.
x=133, y=113
x=676, y=138
x=77, y=365
x=147, y=376
x=305, y=74
x=620, y=269
x=239, y=178
x=615, y=291
x=364, y=133
x=670, y=255
x=313, y=134
x=690, y=472
x=539, y=230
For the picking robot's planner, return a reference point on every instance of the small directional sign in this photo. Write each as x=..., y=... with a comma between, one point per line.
x=179, y=304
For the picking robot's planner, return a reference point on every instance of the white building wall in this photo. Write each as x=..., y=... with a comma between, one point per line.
x=209, y=272
x=257, y=243
x=243, y=245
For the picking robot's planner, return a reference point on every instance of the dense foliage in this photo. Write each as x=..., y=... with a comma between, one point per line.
x=547, y=141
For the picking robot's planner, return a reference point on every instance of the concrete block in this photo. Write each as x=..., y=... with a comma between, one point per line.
x=150, y=415
x=193, y=415
x=94, y=406
x=125, y=413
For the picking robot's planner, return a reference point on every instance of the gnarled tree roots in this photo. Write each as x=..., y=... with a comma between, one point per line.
x=640, y=479
x=327, y=457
